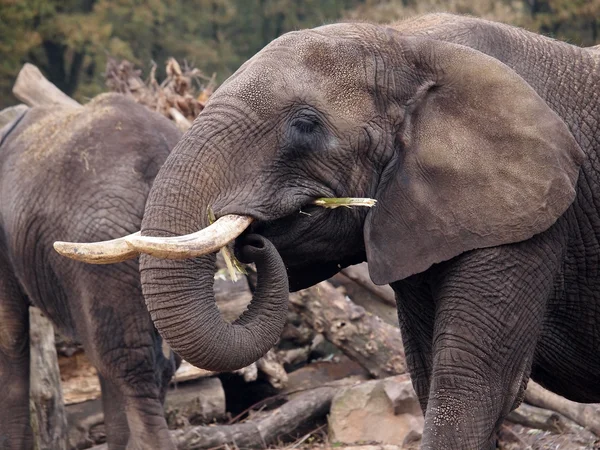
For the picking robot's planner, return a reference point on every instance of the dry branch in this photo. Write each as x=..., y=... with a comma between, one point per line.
x=182, y=123
x=33, y=89
x=47, y=409
x=367, y=339
x=180, y=96
x=586, y=415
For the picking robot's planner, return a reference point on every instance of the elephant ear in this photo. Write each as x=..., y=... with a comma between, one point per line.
x=482, y=161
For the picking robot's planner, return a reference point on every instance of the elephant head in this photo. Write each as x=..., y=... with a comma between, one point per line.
x=459, y=151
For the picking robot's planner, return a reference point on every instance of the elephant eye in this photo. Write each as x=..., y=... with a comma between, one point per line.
x=304, y=132
x=305, y=125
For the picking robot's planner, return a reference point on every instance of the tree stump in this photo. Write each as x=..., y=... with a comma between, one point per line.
x=33, y=89
x=48, y=417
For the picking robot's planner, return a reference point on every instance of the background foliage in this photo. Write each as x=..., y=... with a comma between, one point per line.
x=70, y=40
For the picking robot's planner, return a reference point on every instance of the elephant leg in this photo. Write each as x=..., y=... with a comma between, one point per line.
x=416, y=313
x=490, y=307
x=126, y=349
x=15, y=427
x=133, y=410
x=115, y=419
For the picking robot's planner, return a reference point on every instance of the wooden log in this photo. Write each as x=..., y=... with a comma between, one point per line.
x=33, y=89
x=544, y=419
x=310, y=391
x=273, y=370
x=322, y=373
x=262, y=431
x=586, y=415
x=360, y=274
x=48, y=417
x=366, y=298
x=182, y=123
x=232, y=297
x=259, y=432
x=365, y=338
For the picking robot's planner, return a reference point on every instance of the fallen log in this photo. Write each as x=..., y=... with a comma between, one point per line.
x=366, y=298
x=374, y=344
x=33, y=89
x=360, y=274
x=544, y=419
x=260, y=432
x=586, y=415
x=48, y=417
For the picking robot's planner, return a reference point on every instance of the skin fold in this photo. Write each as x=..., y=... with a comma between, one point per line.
x=82, y=173
x=480, y=143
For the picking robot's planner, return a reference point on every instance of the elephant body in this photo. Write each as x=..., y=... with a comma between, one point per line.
x=55, y=161
x=480, y=143
x=530, y=308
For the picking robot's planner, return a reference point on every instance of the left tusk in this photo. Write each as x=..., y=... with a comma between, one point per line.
x=203, y=242
x=105, y=252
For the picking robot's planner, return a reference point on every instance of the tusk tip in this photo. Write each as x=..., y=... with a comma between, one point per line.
x=107, y=252
x=65, y=248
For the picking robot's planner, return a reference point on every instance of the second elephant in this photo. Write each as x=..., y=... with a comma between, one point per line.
x=82, y=173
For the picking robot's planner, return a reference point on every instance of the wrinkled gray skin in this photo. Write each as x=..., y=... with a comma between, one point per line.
x=82, y=174
x=487, y=177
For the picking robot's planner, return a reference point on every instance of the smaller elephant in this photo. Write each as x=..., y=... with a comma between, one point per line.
x=53, y=161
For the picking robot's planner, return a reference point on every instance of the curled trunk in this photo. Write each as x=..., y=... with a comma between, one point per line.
x=180, y=298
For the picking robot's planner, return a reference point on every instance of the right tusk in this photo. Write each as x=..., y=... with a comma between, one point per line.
x=203, y=242
x=106, y=252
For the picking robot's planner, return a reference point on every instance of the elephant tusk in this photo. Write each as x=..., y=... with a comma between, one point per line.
x=105, y=252
x=203, y=242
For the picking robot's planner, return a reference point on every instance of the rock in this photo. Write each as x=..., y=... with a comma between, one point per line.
x=383, y=411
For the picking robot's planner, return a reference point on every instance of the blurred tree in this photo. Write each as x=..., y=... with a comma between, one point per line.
x=574, y=21
x=55, y=35
x=70, y=39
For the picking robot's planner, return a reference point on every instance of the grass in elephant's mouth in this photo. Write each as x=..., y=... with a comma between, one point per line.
x=234, y=266
x=348, y=202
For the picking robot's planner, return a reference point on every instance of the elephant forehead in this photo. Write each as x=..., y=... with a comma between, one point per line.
x=305, y=66
x=256, y=86
x=343, y=67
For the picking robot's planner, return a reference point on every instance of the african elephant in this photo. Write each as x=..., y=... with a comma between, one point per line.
x=84, y=173
x=479, y=142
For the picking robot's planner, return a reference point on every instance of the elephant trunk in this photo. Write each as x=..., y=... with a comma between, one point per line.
x=179, y=293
